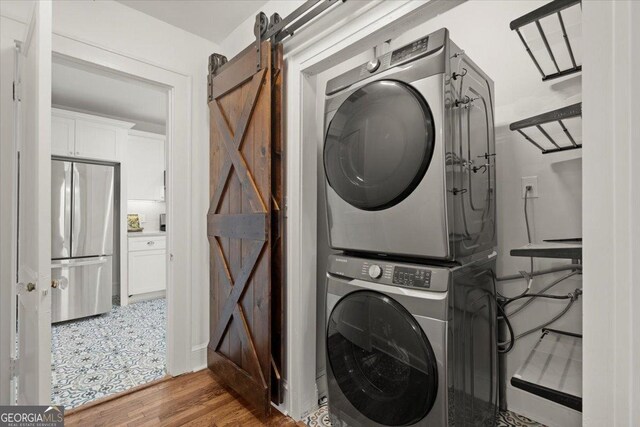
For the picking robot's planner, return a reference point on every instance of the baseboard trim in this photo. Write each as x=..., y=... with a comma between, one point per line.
x=199, y=357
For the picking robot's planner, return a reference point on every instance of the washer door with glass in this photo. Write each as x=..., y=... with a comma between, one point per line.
x=379, y=144
x=381, y=359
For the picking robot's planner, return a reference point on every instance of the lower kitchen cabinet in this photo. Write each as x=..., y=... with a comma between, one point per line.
x=147, y=264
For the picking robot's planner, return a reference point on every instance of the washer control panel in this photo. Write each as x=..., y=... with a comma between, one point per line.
x=387, y=272
x=413, y=277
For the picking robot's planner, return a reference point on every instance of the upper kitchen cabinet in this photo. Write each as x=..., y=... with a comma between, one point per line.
x=145, y=166
x=63, y=136
x=86, y=136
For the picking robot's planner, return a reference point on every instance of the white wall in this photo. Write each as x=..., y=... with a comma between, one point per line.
x=117, y=28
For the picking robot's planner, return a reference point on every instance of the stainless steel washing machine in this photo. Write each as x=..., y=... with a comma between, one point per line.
x=409, y=344
x=409, y=154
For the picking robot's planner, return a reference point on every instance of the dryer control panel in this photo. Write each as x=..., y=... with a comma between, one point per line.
x=414, y=277
x=416, y=48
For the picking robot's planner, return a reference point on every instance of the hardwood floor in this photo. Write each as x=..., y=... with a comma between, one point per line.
x=195, y=399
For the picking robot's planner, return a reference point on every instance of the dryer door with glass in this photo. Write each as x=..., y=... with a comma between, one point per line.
x=381, y=359
x=379, y=144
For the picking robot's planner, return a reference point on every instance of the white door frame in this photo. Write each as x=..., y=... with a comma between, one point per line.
x=611, y=205
x=178, y=128
x=611, y=213
x=179, y=319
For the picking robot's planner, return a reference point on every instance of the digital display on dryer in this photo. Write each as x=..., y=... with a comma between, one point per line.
x=415, y=277
x=415, y=48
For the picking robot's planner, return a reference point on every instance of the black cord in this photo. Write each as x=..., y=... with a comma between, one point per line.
x=512, y=339
x=510, y=300
x=499, y=304
x=526, y=220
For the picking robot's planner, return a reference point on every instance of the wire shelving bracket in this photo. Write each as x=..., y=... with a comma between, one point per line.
x=558, y=116
x=555, y=7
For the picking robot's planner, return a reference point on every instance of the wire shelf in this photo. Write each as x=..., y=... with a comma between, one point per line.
x=553, y=369
x=555, y=116
x=550, y=249
x=533, y=18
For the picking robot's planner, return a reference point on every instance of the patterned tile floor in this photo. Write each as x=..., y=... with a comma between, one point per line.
x=320, y=418
x=102, y=355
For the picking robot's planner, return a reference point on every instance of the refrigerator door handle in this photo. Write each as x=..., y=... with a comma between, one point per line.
x=78, y=263
x=61, y=195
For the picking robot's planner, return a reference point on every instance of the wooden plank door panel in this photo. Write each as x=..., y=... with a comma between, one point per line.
x=277, y=224
x=238, y=227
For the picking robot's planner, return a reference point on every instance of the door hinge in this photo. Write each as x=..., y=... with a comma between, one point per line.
x=17, y=91
x=286, y=207
x=13, y=367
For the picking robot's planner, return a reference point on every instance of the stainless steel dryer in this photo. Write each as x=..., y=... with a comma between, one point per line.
x=409, y=344
x=409, y=154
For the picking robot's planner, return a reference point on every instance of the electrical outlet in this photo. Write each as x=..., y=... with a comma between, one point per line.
x=142, y=217
x=530, y=181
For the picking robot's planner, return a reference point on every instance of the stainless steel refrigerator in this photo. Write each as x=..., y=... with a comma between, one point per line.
x=82, y=239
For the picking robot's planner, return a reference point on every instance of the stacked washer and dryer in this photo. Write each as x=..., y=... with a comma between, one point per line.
x=409, y=158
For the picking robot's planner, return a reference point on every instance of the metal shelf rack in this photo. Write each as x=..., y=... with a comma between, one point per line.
x=554, y=8
x=558, y=116
x=553, y=369
x=565, y=249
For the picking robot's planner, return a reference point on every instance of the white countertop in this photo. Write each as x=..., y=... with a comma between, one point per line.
x=146, y=233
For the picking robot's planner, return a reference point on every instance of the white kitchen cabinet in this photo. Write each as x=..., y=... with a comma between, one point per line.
x=63, y=136
x=98, y=140
x=145, y=166
x=86, y=136
x=147, y=264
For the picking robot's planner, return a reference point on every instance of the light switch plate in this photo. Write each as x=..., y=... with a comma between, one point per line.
x=530, y=181
x=142, y=217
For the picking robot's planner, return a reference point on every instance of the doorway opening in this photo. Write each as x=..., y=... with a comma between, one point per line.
x=108, y=232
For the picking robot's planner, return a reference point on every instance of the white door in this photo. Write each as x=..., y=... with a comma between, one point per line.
x=34, y=211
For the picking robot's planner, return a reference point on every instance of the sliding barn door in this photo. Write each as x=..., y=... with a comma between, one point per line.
x=239, y=226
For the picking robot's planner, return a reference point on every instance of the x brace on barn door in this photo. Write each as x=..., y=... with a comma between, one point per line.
x=245, y=222
x=239, y=229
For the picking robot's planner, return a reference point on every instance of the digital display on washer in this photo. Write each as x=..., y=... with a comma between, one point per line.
x=408, y=276
x=415, y=48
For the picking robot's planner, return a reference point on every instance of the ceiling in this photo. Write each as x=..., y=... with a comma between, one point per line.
x=84, y=88
x=210, y=19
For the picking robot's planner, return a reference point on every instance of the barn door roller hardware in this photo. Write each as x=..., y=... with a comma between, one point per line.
x=274, y=29
x=277, y=29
